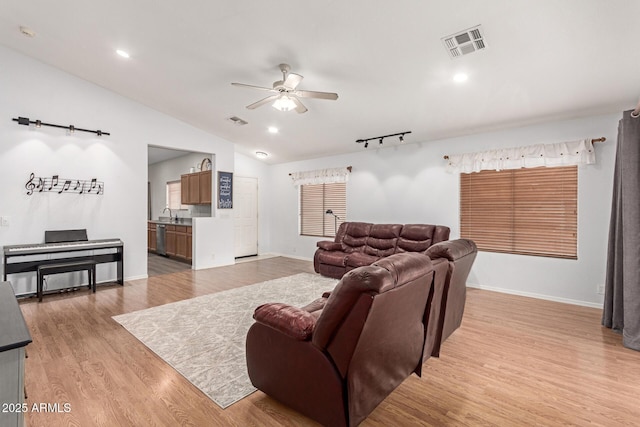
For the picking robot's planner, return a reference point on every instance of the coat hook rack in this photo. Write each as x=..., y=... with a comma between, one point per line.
x=71, y=128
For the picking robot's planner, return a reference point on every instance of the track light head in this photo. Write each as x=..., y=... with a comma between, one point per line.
x=380, y=141
x=366, y=144
x=23, y=121
x=401, y=138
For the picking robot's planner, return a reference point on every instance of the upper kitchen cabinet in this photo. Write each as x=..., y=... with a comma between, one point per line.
x=196, y=188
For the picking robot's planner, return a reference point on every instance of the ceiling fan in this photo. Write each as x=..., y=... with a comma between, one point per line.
x=285, y=95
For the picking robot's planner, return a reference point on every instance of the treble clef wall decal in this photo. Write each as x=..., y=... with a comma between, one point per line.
x=30, y=185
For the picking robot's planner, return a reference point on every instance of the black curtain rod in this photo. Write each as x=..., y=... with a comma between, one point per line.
x=25, y=121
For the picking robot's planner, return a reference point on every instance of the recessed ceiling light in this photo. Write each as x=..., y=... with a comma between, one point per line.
x=273, y=129
x=261, y=154
x=460, y=78
x=123, y=53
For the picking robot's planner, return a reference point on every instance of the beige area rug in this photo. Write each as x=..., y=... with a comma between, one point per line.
x=204, y=338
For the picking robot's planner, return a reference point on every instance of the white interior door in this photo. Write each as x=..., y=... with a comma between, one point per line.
x=245, y=208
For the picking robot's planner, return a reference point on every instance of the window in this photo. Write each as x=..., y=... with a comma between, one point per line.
x=315, y=200
x=530, y=211
x=174, y=193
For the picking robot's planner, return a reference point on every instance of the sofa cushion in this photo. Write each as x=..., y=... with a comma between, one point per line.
x=415, y=238
x=382, y=239
x=359, y=259
x=355, y=236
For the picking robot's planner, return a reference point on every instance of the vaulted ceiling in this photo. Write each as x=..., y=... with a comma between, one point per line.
x=543, y=60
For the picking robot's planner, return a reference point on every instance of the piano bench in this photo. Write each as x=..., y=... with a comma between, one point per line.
x=46, y=269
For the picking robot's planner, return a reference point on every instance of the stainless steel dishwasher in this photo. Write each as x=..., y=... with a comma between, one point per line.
x=160, y=239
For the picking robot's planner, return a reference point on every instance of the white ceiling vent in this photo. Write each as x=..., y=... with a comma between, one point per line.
x=237, y=121
x=464, y=42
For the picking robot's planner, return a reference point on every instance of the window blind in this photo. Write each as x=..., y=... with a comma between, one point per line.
x=315, y=199
x=522, y=211
x=174, y=190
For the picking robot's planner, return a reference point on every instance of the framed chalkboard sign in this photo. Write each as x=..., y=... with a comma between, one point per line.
x=225, y=190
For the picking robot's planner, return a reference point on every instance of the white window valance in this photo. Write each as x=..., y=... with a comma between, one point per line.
x=321, y=176
x=558, y=154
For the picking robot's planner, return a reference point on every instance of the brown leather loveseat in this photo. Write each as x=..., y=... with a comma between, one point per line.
x=336, y=359
x=360, y=243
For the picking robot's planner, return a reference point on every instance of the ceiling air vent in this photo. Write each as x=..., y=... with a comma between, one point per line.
x=237, y=121
x=464, y=42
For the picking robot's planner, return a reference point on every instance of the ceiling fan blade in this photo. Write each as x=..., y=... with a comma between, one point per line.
x=292, y=81
x=262, y=102
x=313, y=94
x=268, y=89
x=299, y=107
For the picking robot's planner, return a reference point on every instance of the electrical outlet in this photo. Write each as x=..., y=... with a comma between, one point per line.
x=600, y=288
x=5, y=221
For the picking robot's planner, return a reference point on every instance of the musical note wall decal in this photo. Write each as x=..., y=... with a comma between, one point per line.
x=46, y=184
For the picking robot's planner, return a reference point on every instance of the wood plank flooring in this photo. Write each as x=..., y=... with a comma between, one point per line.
x=515, y=361
x=158, y=265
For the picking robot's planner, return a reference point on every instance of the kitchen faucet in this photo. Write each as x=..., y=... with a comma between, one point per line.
x=169, y=209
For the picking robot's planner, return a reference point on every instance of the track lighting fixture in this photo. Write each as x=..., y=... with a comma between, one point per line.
x=380, y=139
x=71, y=128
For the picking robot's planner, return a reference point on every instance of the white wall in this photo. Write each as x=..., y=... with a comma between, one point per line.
x=32, y=89
x=409, y=184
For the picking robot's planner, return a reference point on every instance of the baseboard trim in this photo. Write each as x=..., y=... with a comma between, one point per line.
x=535, y=295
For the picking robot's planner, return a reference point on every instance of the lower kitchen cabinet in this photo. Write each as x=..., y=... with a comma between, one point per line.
x=179, y=241
x=152, y=236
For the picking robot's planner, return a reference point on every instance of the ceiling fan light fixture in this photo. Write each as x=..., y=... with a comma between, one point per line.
x=284, y=103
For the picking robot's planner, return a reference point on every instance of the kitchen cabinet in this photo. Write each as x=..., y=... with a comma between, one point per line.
x=205, y=186
x=178, y=241
x=151, y=236
x=170, y=240
x=195, y=188
x=184, y=190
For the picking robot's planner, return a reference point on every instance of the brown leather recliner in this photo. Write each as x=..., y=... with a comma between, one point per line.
x=452, y=261
x=336, y=359
x=361, y=243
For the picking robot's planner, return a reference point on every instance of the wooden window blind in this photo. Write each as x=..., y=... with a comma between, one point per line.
x=315, y=199
x=522, y=211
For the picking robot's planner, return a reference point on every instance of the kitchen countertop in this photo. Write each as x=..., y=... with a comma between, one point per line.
x=165, y=220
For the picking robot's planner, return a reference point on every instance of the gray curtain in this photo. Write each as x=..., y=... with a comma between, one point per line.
x=622, y=288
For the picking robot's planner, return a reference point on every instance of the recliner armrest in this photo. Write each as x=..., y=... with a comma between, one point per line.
x=328, y=245
x=451, y=249
x=291, y=321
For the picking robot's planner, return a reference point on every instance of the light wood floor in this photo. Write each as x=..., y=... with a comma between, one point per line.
x=514, y=362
